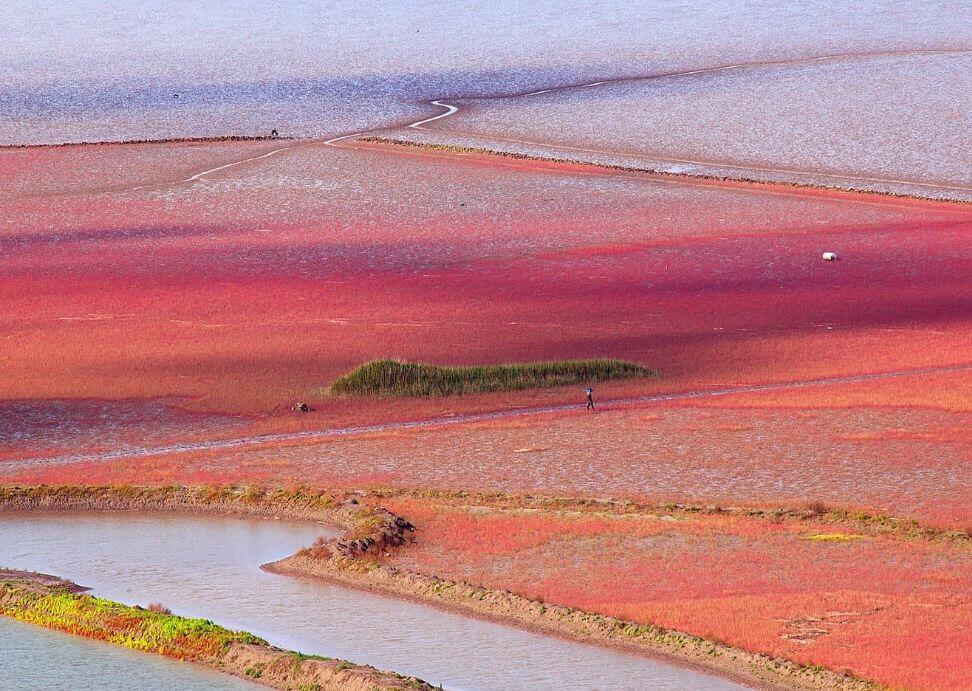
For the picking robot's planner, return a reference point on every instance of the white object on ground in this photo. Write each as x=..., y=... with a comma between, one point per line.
x=829, y=256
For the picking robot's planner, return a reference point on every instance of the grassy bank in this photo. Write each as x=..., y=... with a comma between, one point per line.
x=133, y=627
x=56, y=604
x=391, y=378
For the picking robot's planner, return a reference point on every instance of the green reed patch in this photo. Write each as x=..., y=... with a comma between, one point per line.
x=391, y=378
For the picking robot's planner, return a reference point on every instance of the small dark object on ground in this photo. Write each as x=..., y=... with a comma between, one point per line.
x=274, y=133
x=301, y=407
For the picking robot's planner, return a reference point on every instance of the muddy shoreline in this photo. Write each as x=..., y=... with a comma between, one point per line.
x=504, y=607
x=356, y=580
x=369, y=531
x=742, y=180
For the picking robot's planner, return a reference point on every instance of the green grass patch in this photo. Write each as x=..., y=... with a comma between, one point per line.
x=394, y=379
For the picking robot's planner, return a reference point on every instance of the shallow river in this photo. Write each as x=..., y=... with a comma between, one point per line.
x=209, y=567
x=35, y=658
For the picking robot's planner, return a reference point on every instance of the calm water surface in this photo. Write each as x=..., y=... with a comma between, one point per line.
x=35, y=658
x=209, y=567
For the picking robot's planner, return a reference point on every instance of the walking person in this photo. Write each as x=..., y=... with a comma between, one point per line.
x=590, y=398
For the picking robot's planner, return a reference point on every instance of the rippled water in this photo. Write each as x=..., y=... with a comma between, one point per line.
x=208, y=566
x=35, y=658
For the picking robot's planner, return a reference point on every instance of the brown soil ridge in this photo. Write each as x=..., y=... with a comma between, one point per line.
x=737, y=179
x=256, y=661
x=377, y=528
x=283, y=669
x=871, y=523
x=40, y=581
x=506, y=607
x=170, y=140
x=340, y=509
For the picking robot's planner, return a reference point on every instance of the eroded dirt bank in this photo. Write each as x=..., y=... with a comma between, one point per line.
x=59, y=604
x=337, y=508
x=505, y=607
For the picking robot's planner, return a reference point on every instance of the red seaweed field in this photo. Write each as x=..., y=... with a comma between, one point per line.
x=643, y=327
x=155, y=336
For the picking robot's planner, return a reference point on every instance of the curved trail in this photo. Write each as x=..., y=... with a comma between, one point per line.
x=200, y=175
x=452, y=420
x=450, y=110
x=204, y=173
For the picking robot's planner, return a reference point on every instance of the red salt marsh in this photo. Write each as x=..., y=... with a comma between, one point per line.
x=902, y=460
x=797, y=479
x=186, y=312
x=255, y=285
x=892, y=610
x=149, y=295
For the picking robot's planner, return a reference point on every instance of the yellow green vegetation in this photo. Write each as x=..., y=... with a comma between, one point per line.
x=54, y=603
x=132, y=627
x=835, y=537
x=392, y=378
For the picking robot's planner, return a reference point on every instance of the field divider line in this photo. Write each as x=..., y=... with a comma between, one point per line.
x=459, y=419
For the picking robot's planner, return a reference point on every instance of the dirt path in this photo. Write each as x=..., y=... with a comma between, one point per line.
x=459, y=419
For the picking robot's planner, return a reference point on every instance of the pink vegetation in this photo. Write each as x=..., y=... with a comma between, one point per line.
x=892, y=610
